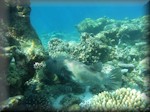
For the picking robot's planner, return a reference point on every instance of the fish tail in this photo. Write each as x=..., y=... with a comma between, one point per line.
x=113, y=80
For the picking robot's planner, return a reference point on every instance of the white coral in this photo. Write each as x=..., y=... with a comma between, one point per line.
x=121, y=99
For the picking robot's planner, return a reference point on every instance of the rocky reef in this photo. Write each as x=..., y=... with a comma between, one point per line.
x=115, y=40
x=92, y=26
x=20, y=47
x=115, y=43
x=28, y=83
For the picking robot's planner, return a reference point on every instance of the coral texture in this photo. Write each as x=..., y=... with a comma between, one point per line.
x=19, y=44
x=113, y=41
x=123, y=99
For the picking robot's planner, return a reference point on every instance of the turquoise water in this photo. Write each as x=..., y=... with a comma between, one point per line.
x=49, y=18
x=95, y=58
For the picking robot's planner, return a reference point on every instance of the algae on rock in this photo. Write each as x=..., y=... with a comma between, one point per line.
x=18, y=42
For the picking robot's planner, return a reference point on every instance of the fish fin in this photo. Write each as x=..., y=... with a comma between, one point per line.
x=96, y=67
x=113, y=80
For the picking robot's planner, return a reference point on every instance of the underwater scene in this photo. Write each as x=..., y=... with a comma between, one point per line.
x=74, y=56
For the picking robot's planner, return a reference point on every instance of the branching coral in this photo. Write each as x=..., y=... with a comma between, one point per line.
x=124, y=99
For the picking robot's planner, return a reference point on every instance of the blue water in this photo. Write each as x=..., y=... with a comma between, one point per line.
x=51, y=17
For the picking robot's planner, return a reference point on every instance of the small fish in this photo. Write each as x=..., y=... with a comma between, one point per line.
x=78, y=72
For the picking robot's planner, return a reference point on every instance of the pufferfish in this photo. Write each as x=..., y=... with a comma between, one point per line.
x=72, y=70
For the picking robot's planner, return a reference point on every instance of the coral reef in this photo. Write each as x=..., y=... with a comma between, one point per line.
x=58, y=46
x=116, y=45
x=115, y=29
x=87, y=51
x=92, y=26
x=36, y=101
x=114, y=41
x=92, y=50
x=41, y=97
x=123, y=99
x=105, y=46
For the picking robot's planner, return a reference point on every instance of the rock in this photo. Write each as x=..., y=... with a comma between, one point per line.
x=91, y=26
x=12, y=103
x=16, y=30
x=144, y=65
